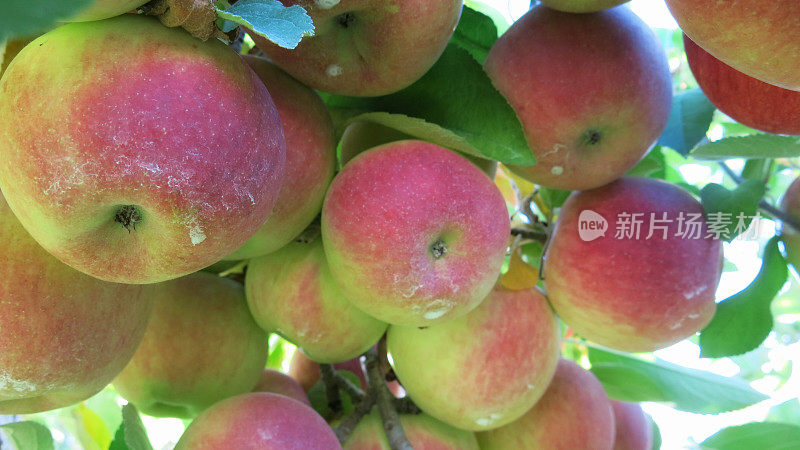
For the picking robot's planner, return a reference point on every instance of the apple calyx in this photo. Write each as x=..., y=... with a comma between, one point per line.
x=345, y=19
x=592, y=137
x=438, y=249
x=128, y=216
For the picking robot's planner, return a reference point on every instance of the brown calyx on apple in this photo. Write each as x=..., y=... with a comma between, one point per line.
x=346, y=19
x=128, y=216
x=438, y=249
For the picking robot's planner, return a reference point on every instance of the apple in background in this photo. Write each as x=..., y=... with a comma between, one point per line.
x=292, y=292
x=482, y=370
x=201, y=346
x=307, y=373
x=582, y=6
x=593, y=92
x=143, y=171
x=790, y=236
x=422, y=431
x=573, y=413
x=10, y=49
x=279, y=383
x=310, y=160
x=414, y=234
x=634, y=431
x=104, y=9
x=755, y=37
x=747, y=100
x=259, y=421
x=367, y=48
x=628, y=293
x=65, y=335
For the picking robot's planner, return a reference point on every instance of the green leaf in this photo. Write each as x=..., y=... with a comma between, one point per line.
x=753, y=146
x=656, y=433
x=629, y=378
x=463, y=112
x=688, y=121
x=652, y=165
x=476, y=33
x=553, y=198
x=28, y=435
x=729, y=213
x=743, y=321
x=283, y=25
x=131, y=435
x=26, y=18
x=319, y=400
x=756, y=435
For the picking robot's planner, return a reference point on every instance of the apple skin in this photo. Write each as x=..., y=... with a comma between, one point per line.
x=186, y=361
x=790, y=236
x=310, y=160
x=65, y=335
x=755, y=37
x=279, y=383
x=582, y=6
x=482, y=370
x=10, y=49
x=258, y=421
x=747, y=100
x=306, y=371
x=104, y=9
x=573, y=413
x=414, y=234
x=292, y=292
x=183, y=132
x=628, y=294
x=422, y=431
x=385, y=45
x=585, y=127
x=634, y=431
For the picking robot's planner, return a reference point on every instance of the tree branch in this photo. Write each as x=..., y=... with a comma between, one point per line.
x=534, y=235
x=346, y=427
x=385, y=401
x=332, y=394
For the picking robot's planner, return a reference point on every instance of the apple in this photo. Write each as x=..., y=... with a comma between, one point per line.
x=65, y=335
x=755, y=37
x=10, y=49
x=310, y=160
x=593, y=92
x=422, y=431
x=201, y=346
x=414, y=234
x=307, y=372
x=482, y=370
x=292, y=292
x=634, y=431
x=279, y=383
x=582, y=6
x=367, y=48
x=104, y=9
x=259, y=421
x=573, y=413
x=747, y=100
x=143, y=171
x=790, y=236
x=628, y=291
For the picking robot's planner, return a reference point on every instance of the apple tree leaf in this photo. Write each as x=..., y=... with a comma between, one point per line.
x=131, y=435
x=476, y=33
x=771, y=435
x=632, y=379
x=729, y=213
x=283, y=25
x=688, y=122
x=753, y=146
x=28, y=435
x=744, y=320
x=26, y=18
x=653, y=165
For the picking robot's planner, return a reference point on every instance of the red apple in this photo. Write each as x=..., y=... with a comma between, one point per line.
x=593, y=92
x=103, y=9
x=65, y=335
x=135, y=152
x=279, y=383
x=414, y=233
x=747, y=100
x=422, y=431
x=628, y=291
x=582, y=6
x=310, y=160
x=573, y=413
x=790, y=236
x=759, y=38
x=367, y=47
x=634, y=431
x=259, y=421
x=482, y=370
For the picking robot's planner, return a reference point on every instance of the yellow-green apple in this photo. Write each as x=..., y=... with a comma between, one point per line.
x=292, y=292
x=65, y=335
x=585, y=127
x=259, y=421
x=10, y=49
x=422, y=431
x=104, y=9
x=582, y=6
x=414, y=234
x=753, y=36
x=789, y=235
x=633, y=265
x=482, y=370
x=573, y=413
x=307, y=372
x=201, y=346
x=367, y=47
x=143, y=171
x=310, y=160
x=746, y=99
x=279, y=383
x=634, y=431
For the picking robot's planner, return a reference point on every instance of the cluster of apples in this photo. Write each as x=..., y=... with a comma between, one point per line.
x=134, y=155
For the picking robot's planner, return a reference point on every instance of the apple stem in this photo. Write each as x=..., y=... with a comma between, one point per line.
x=385, y=400
x=763, y=204
x=534, y=235
x=332, y=394
x=346, y=427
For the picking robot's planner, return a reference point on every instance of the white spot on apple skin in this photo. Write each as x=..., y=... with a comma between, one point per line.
x=9, y=384
x=196, y=234
x=486, y=421
x=334, y=70
x=691, y=294
x=326, y=4
x=557, y=170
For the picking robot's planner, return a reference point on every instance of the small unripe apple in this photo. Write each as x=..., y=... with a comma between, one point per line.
x=634, y=431
x=104, y=9
x=306, y=371
x=422, y=431
x=279, y=383
x=790, y=236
